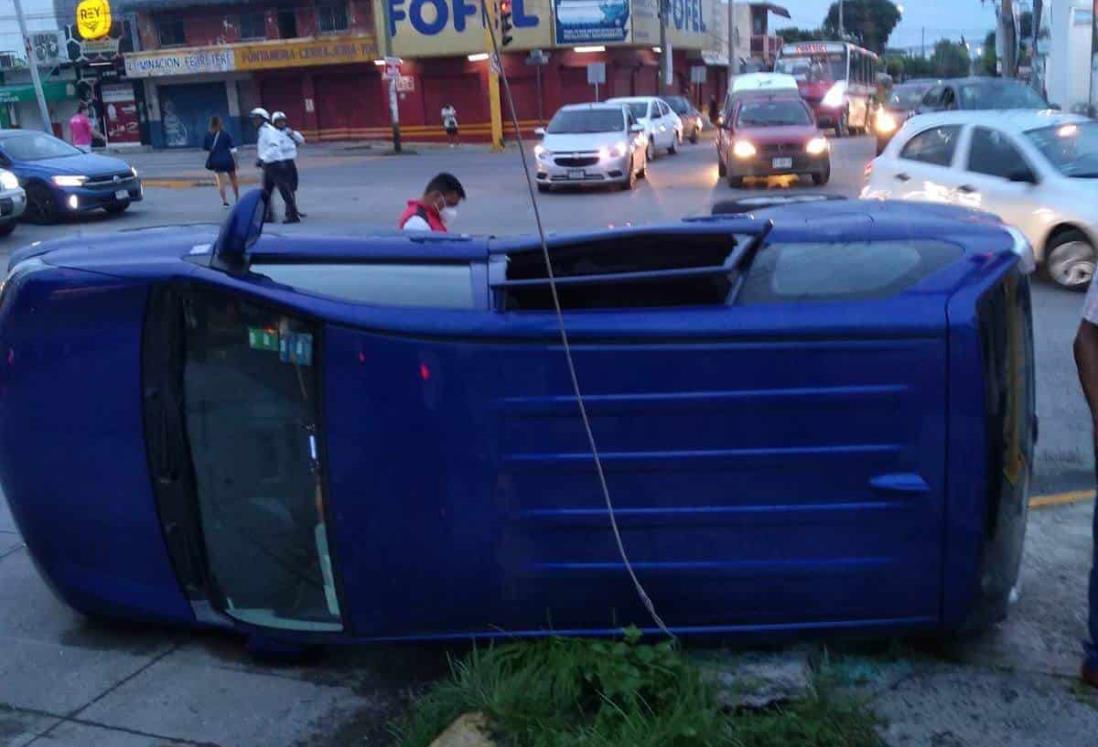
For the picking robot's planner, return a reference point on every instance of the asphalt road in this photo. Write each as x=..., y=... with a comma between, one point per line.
x=65, y=682
x=345, y=188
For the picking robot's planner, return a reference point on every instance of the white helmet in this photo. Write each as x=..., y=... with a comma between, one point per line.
x=277, y=116
x=259, y=111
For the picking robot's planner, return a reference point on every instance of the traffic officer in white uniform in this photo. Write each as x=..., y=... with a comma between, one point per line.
x=275, y=172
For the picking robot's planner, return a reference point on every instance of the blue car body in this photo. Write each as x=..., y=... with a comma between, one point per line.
x=186, y=443
x=110, y=182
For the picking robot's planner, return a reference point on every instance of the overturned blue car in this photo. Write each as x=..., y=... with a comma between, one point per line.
x=818, y=416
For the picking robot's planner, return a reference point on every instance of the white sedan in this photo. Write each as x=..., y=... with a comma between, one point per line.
x=1036, y=170
x=663, y=126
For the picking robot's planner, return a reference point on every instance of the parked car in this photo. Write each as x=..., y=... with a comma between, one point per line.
x=876, y=477
x=1037, y=170
x=772, y=134
x=898, y=107
x=13, y=201
x=692, y=120
x=980, y=93
x=663, y=126
x=61, y=180
x=591, y=144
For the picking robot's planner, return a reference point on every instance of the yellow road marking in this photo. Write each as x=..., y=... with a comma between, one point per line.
x=1061, y=499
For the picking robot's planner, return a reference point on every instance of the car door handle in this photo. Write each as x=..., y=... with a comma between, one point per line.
x=900, y=483
x=902, y=177
x=967, y=189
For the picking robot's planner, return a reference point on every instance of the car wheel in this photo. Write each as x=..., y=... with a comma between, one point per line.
x=41, y=207
x=1069, y=260
x=842, y=127
x=642, y=173
x=823, y=177
x=631, y=180
x=649, y=152
x=673, y=148
x=722, y=170
x=543, y=187
x=117, y=208
x=694, y=136
x=7, y=228
x=735, y=182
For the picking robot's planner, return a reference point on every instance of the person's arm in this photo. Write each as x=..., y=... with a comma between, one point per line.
x=1086, y=359
x=296, y=136
x=207, y=143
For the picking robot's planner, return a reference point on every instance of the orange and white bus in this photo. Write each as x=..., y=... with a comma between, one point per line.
x=837, y=79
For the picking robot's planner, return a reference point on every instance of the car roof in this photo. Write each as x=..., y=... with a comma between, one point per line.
x=1010, y=120
x=763, y=82
x=607, y=105
x=631, y=99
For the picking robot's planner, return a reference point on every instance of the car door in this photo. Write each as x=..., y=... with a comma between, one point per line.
x=923, y=168
x=1000, y=179
x=657, y=125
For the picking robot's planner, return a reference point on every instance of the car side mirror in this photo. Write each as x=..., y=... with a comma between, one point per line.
x=240, y=231
x=1023, y=176
x=539, y=131
x=636, y=128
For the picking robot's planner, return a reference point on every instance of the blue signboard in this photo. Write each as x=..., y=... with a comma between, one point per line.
x=591, y=21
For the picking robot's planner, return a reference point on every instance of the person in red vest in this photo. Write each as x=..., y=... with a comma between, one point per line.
x=436, y=210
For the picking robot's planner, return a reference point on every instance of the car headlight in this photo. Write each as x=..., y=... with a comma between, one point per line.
x=617, y=150
x=66, y=180
x=133, y=171
x=542, y=152
x=8, y=180
x=743, y=149
x=833, y=99
x=817, y=146
x=885, y=123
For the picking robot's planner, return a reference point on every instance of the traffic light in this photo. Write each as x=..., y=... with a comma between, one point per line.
x=505, y=24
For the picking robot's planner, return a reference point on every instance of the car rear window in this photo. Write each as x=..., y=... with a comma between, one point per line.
x=844, y=271
x=423, y=285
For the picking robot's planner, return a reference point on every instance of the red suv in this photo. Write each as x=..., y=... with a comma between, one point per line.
x=771, y=134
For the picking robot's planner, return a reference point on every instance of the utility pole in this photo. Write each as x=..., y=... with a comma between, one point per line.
x=43, y=111
x=733, y=63
x=842, y=30
x=924, y=42
x=489, y=13
x=394, y=107
x=664, y=51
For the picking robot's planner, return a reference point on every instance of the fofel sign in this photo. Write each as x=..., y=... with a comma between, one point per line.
x=93, y=18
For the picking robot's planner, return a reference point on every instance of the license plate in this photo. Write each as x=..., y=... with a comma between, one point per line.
x=576, y=173
x=122, y=194
x=783, y=163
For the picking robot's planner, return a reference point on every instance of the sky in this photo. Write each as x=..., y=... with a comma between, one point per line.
x=942, y=18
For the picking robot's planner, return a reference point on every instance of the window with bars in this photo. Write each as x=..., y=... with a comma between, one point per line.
x=331, y=17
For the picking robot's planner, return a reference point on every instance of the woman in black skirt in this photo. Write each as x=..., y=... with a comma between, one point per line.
x=221, y=160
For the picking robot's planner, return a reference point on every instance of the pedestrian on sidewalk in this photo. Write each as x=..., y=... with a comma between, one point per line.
x=221, y=159
x=275, y=172
x=436, y=210
x=450, y=122
x=82, y=129
x=714, y=111
x=291, y=138
x=1086, y=359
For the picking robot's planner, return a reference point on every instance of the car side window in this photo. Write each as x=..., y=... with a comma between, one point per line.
x=934, y=146
x=425, y=285
x=992, y=153
x=932, y=97
x=949, y=99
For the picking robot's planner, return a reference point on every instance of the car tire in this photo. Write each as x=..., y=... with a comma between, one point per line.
x=6, y=228
x=630, y=181
x=722, y=170
x=1070, y=260
x=117, y=208
x=41, y=207
x=842, y=127
x=543, y=188
x=673, y=148
x=642, y=173
x=694, y=136
x=823, y=177
x=649, y=152
x=735, y=182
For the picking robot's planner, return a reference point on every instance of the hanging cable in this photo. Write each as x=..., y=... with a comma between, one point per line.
x=567, y=348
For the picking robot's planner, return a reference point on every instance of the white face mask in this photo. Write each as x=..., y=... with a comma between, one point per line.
x=449, y=215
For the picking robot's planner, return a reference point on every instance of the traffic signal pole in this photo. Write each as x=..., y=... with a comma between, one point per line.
x=43, y=111
x=490, y=14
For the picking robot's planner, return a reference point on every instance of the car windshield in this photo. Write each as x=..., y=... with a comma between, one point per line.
x=36, y=147
x=772, y=113
x=576, y=121
x=1000, y=94
x=813, y=68
x=678, y=104
x=908, y=96
x=1072, y=148
x=639, y=109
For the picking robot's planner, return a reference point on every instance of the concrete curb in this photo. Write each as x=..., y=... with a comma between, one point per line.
x=187, y=182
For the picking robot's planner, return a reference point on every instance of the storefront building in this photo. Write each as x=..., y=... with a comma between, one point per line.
x=321, y=62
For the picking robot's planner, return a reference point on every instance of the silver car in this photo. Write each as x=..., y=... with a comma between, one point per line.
x=13, y=201
x=588, y=144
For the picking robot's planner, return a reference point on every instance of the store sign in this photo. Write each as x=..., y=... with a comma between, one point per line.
x=52, y=92
x=93, y=18
x=584, y=22
x=435, y=28
x=689, y=22
x=189, y=62
x=106, y=47
x=120, y=107
x=336, y=51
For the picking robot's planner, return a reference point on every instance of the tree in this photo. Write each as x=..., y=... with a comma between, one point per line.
x=869, y=21
x=950, y=59
x=793, y=35
x=989, y=58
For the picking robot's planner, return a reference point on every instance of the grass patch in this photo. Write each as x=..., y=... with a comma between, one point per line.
x=566, y=692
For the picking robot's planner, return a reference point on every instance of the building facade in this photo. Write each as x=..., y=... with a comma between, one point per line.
x=321, y=61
